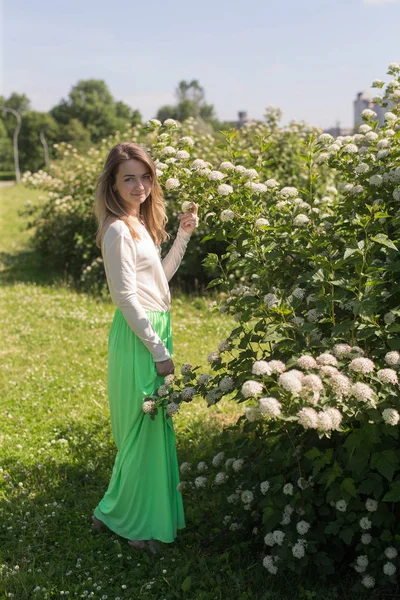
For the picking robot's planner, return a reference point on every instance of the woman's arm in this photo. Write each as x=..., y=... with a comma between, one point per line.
x=173, y=259
x=119, y=258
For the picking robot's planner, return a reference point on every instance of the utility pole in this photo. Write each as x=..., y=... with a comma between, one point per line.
x=15, y=139
x=45, y=146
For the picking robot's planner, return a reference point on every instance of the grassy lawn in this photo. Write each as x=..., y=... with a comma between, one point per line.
x=56, y=449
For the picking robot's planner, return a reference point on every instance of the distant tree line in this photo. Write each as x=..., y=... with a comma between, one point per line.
x=89, y=114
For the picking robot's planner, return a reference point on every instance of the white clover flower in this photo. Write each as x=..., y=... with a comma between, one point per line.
x=390, y=416
x=377, y=83
x=362, y=560
x=289, y=192
x=252, y=413
x=285, y=519
x=261, y=223
x=202, y=466
x=251, y=389
x=169, y=379
x=168, y=150
x=290, y=382
x=218, y=458
x=362, y=168
x=362, y=365
x=224, y=189
x=371, y=505
x=365, y=523
x=327, y=359
x=227, y=215
x=350, y=149
x=213, y=357
x=213, y=396
x=341, y=505
x=154, y=123
x=187, y=141
x=233, y=498
x=390, y=553
x=172, y=183
x=198, y=164
x=371, y=136
x=171, y=408
x=325, y=138
x=148, y=406
x=261, y=367
x=182, y=155
x=227, y=166
x=234, y=527
x=186, y=368
x=272, y=183
x=247, y=497
x=393, y=358
x=366, y=539
x=306, y=362
x=237, y=465
x=340, y=384
x=162, y=390
x=270, y=407
x=203, y=378
x=367, y=113
x=271, y=300
x=389, y=569
x=396, y=194
x=328, y=370
x=312, y=383
x=300, y=220
x=335, y=416
x=264, y=487
x=387, y=376
x=200, y=482
x=364, y=128
x=170, y=123
x=302, y=527
x=390, y=117
x=256, y=188
x=376, y=180
x=368, y=581
x=313, y=315
x=185, y=467
x=277, y=366
x=341, y=350
x=226, y=384
x=251, y=174
x=298, y=550
x=288, y=489
x=308, y=418
x=324, y=421
x=216, y=175
x=187, y=393
x=220, y=478
x=278, y=537
x=186, y=206
x=382, y=154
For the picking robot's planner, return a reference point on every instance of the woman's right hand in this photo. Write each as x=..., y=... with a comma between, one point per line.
x=165, y=367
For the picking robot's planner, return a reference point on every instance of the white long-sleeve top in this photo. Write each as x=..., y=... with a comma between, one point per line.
x=138, y=279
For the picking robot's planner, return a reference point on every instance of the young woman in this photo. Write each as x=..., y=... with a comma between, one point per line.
x=141, y=503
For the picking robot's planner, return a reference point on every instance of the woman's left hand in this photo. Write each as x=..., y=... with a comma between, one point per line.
x=189, y=220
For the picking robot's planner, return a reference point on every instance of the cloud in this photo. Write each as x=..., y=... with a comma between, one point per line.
x=381, y=1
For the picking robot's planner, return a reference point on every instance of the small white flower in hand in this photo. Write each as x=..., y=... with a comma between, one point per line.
x=189, y=220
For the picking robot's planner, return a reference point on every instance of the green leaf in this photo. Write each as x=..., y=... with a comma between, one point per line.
x=383, y=239
x=346, y=535
x=349, y=252
x=393, y=495
x=385, y=463
x=348, y=486
x=186, y=584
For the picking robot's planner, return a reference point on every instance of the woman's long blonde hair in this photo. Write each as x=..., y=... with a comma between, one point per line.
x=108, y=202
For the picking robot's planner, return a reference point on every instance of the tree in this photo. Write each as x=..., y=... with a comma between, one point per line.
x=191, y=103
x=31, y=154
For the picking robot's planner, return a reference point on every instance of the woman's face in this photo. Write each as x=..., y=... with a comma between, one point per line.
x=133, y=183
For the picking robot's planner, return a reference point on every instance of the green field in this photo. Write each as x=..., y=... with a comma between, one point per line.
x=56, y=449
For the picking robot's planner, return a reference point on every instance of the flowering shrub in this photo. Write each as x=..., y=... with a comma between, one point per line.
x=314, y=467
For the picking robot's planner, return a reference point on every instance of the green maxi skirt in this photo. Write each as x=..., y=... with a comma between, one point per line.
x=142, y=501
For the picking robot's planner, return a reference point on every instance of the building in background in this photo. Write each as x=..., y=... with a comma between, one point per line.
x=363, y=101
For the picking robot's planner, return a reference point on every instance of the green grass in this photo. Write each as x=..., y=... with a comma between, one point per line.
x=56, y=449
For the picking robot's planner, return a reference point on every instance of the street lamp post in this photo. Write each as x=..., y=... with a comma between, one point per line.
x=15, y=139
x=45, y=146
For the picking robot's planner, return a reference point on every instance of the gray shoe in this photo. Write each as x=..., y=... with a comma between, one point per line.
x=153, y=546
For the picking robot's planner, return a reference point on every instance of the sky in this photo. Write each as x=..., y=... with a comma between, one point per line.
x=307, y=57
